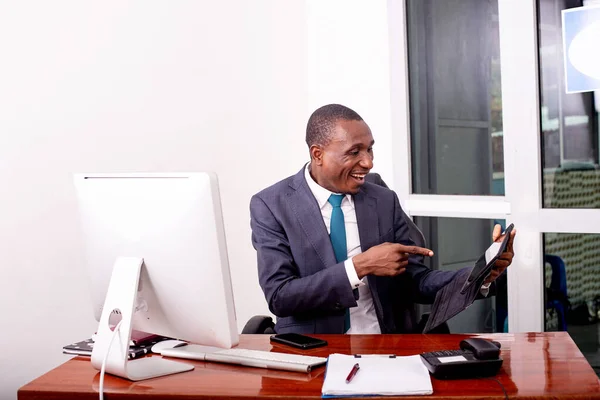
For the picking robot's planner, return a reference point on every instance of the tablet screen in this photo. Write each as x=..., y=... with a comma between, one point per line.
x=492, y=251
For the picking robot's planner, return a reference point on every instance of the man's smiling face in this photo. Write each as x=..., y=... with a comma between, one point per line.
x=341, y=164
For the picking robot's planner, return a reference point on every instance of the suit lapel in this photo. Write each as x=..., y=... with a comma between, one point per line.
x=308, y=215
x=368, y=231
x=367, y=219
x=307, y=212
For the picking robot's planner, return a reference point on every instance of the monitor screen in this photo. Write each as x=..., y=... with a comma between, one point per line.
x=174, y=223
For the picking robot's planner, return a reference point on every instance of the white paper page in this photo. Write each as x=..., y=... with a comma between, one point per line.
x=377, y=375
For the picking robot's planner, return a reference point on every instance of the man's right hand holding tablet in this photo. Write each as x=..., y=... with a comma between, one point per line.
x=386, y=259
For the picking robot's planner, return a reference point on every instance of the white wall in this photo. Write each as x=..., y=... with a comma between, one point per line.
x=158, y=86
x=132, y=86
x=348, y=61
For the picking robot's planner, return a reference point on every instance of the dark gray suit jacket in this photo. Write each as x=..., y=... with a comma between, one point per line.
x=305, y=287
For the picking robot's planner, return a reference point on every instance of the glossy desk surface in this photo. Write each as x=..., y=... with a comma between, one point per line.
x=536, y=365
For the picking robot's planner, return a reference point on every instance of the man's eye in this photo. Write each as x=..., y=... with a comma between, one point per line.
x=354, y=153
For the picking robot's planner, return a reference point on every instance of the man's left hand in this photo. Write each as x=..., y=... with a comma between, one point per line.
x=505, y=258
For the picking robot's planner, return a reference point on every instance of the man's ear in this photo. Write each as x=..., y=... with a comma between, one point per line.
x=316, y=154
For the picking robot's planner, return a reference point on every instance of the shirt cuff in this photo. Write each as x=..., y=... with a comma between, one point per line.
x=352, y=275
x=485, y=289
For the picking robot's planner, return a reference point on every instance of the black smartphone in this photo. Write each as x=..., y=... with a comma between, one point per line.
x=297, y=340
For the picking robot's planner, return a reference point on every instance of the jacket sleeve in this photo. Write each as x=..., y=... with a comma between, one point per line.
x=425, y=282
x=288, y=288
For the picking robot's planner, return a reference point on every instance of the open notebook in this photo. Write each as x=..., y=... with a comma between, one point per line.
x=377, y=375
x=250, y=358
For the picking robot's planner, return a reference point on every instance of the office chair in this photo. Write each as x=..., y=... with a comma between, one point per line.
x=264, y=324
x=259, y=324
x=416, y=236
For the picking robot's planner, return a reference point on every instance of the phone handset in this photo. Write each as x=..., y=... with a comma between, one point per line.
x=482, y=349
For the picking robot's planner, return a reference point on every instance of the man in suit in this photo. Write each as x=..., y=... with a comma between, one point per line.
x=360, y=274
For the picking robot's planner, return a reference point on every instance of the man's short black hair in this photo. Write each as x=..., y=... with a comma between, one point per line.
x=322, y=122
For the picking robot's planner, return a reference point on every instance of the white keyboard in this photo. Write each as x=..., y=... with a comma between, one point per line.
x=270, y=356
x=250, y=358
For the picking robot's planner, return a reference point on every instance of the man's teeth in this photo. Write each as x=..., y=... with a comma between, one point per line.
x=358, y=176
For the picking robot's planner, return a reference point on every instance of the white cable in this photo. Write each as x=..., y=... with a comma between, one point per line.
x=103, y=368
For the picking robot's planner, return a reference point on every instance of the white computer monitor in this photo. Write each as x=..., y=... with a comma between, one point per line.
x=156, y=253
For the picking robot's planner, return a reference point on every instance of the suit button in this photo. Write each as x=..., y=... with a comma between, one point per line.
x=338, y=306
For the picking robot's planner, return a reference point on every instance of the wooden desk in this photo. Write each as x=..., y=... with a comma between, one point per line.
x=536, y=365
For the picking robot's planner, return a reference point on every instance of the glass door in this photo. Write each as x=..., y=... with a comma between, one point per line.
x=489, y=135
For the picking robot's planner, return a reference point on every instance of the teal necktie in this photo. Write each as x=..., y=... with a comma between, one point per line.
x=337, y=235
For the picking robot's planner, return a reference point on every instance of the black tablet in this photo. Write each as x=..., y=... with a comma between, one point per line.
x=486, y=262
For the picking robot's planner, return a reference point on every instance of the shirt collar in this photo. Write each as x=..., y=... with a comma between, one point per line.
x=320, y=193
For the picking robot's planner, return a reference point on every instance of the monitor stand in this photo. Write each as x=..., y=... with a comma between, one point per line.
x=121, y=295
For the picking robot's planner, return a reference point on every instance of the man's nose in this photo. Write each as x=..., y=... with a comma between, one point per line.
x=366, y=161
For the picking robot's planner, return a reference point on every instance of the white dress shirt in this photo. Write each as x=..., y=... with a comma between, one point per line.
x=363, y=318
